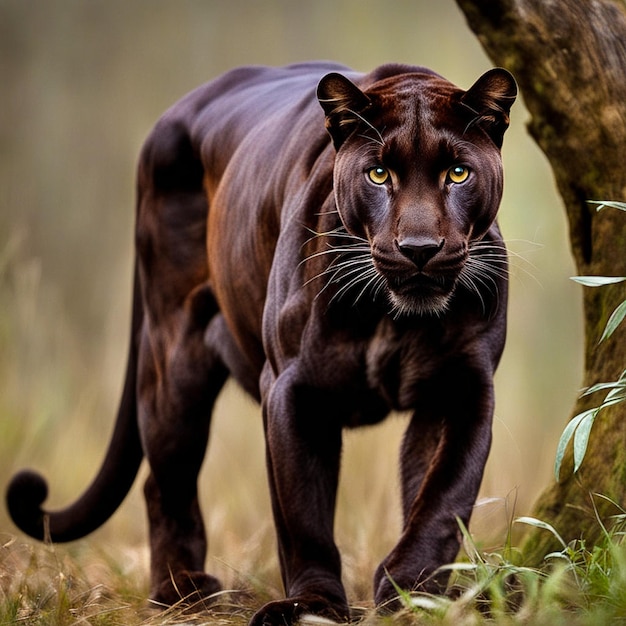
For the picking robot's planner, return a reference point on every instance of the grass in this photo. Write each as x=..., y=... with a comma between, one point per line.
x=45, y=585
x=579, y=585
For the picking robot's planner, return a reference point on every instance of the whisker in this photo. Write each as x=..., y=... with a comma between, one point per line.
x=342, y=263
x=487, y=263
x=373, y=280
x=357, y=271
x=475, y=282
x=350, y=266
x=336, y=267
x=349, y=279
x=465, y=278
x=347, y=273
x=380, y=141
x=354, y=282
x=517, y=259
x=336, y=250
x=484, y=278
x=339, y=233
x=488, y=268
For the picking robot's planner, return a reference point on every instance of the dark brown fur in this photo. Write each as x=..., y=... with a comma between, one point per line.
x=265, y=252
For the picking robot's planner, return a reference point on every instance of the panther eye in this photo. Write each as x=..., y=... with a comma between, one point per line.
x=378, y=175
x=457, y=174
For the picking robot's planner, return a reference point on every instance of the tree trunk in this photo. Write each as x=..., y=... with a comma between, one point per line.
x=569, y=58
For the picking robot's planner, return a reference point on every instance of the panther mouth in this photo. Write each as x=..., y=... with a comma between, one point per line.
x=420, y=282
x=421, y=293
x=413, y=288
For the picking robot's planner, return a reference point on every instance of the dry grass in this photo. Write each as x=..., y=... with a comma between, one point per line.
x=86, y=584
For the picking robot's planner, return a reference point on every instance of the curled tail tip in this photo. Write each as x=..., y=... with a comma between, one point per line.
x=25, y=494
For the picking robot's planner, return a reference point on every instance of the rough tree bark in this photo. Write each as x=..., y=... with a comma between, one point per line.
x=569, y=57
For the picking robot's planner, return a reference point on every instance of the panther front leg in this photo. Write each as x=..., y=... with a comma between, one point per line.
x=303, y=448
x=457, y=428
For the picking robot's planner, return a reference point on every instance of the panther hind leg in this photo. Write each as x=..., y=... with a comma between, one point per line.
x=179, y=375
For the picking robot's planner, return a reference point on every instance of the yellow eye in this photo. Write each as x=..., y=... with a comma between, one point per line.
x=378, y=175
x=458, y=174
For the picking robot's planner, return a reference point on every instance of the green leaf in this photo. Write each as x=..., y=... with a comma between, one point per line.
x=565, y=438
x=617, y=317
x=426, y=602
x=602, y=387
x=537, y=523
x=615, y=396
x=617, y=391
x=603, y=205
x=581, y=438
x=597, y=281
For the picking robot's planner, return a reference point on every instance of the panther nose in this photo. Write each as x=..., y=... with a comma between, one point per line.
x=419, y=250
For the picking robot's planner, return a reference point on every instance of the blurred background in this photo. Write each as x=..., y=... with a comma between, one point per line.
x=81, y=84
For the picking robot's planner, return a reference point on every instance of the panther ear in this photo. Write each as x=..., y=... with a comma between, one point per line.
x=490, y=99
x=343, y=102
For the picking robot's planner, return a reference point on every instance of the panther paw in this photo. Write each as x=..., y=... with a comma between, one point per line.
x=306, y=610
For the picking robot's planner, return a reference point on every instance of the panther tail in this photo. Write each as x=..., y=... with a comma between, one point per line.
x=28, y=490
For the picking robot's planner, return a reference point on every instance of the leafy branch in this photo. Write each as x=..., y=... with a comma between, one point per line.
x=579, y=427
